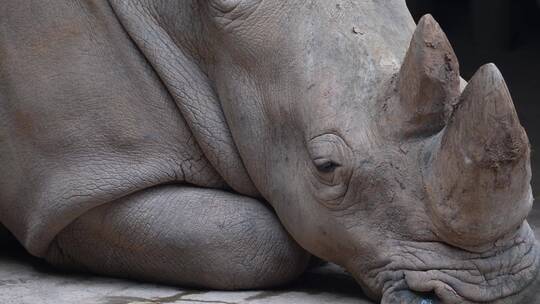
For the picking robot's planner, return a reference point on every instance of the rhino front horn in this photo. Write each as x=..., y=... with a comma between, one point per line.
x=428, y=81
x=479, y=178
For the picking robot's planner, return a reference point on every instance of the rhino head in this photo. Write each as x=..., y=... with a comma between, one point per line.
x=375, y=154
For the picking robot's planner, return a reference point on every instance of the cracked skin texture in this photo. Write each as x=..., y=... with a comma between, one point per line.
x=155, y=139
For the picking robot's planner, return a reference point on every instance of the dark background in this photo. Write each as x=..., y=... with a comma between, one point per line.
x=507, y=33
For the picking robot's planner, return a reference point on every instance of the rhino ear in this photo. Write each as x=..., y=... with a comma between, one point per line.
x=429, y=81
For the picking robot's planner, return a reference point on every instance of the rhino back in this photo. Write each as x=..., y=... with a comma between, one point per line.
x=84, y=119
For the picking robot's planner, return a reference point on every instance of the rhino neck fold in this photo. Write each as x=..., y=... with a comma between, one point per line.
x=176, y=60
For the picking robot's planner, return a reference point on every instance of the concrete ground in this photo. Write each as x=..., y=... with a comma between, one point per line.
x=26, y=280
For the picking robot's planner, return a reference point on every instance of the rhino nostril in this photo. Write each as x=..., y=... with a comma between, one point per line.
x=429, y=298
x=411, y=297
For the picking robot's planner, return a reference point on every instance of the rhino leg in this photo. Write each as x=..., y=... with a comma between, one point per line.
x=184, y=236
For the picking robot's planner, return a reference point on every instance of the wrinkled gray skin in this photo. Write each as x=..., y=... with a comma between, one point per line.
x=143, y=139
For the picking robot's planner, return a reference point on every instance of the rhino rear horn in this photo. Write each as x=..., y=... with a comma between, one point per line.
x=429, y=81
x=480, y=174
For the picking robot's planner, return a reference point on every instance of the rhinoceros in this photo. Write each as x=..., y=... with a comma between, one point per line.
x=223, y=143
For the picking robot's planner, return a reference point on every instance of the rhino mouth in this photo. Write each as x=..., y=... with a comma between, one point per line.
x=425, y=272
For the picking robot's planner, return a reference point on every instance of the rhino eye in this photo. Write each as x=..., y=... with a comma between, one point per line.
x=331, y=160
x=330, y=157
x=324, y=165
